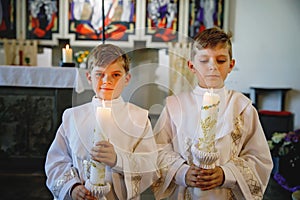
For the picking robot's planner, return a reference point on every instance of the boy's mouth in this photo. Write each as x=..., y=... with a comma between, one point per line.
x=212, y=76
x=107, y=89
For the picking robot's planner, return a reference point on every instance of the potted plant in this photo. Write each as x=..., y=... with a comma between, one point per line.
x=81, y=57
x=286, y=147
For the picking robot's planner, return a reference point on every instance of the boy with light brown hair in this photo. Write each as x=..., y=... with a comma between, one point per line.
x=127, y=147
x=243, y=167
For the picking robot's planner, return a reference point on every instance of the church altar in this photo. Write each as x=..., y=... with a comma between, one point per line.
x=44, y=77
x=32, y=100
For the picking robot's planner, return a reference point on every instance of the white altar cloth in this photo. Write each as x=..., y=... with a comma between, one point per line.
x=44, y=77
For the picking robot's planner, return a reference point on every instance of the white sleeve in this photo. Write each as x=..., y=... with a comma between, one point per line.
x=61, y=175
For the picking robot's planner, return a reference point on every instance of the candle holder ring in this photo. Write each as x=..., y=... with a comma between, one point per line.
x=98, y=191
x=205, y=160
x=66, y=64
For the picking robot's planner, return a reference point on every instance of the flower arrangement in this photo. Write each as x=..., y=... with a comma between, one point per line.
x=286, y=147
x=282, y=144
x=81, y=57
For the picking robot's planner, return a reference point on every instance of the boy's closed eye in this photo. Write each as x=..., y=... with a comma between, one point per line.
x=222, y=61
x=116, y=75
x=204, y=61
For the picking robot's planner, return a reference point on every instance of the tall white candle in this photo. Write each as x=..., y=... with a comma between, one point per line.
x=104, y=117
x=97, y=176
x=67, y=54
x=204, y=152
x=210, y=105
x=208, y=121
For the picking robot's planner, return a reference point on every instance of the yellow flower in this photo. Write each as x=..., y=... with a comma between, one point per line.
x=81, y=56
x=79, y=60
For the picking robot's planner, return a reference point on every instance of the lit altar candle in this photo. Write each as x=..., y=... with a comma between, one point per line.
x=67, y=54
x=97, y=176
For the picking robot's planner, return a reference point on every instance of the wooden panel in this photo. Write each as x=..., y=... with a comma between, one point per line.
x=29, y=118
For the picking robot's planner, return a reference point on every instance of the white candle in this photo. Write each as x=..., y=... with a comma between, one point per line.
x=67, y=54
x=210, y=104
x=208, y=121
x=97, y=176
x=104, y=119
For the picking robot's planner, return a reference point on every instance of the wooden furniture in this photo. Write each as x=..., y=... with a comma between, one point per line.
x=272, y=120
x=20, y=52
x=263, y=90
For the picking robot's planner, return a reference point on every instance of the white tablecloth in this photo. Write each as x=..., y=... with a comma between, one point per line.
x=44, y=77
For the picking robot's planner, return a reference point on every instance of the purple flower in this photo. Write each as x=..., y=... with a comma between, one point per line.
x=282, y=144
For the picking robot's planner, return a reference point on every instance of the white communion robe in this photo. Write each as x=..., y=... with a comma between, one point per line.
x=131, y=134
x=244, y=153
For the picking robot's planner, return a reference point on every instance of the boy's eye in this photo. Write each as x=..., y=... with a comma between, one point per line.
x=203, y=61
x=117, y=75
x=98, y=74
x=221, y=61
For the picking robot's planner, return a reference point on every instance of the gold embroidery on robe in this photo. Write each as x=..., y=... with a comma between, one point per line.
x=136, y=183
x=159, y=183
x=135, y=179
x=187, y=194
x=59, y=183
x=247, y=173
x=230, y=195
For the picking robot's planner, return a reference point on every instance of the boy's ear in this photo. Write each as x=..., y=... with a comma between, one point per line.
x=231, y=66
x=88, y=77
x=127, y=78
x=191, y=66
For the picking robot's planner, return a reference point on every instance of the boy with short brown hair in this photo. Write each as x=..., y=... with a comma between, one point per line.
x=127, y=146
x=243, y=167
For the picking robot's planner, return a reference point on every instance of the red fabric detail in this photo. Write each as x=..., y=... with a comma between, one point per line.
x=84, y=30
x=39, y=32
x=167, y=35
x=276, y=113
x=35, y=22
x=118, y=33
x=3, y=26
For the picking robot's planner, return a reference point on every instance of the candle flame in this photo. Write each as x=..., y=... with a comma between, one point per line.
x=211, y=90
x=67, y=46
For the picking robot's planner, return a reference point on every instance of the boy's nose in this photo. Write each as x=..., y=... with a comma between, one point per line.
x=106, y=78
x=212, y=66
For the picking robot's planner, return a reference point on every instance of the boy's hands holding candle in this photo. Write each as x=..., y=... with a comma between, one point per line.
x=210, y=178
x=103, y=151
x=79, y=191
x=205, y=179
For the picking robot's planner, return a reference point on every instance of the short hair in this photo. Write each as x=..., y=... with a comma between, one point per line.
x=210, y=38
x=106, y=54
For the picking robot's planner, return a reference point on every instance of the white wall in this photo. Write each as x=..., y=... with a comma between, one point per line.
x=266, y=46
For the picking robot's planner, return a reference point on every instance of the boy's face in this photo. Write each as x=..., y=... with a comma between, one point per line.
x=212, y=66
x=108, y=82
